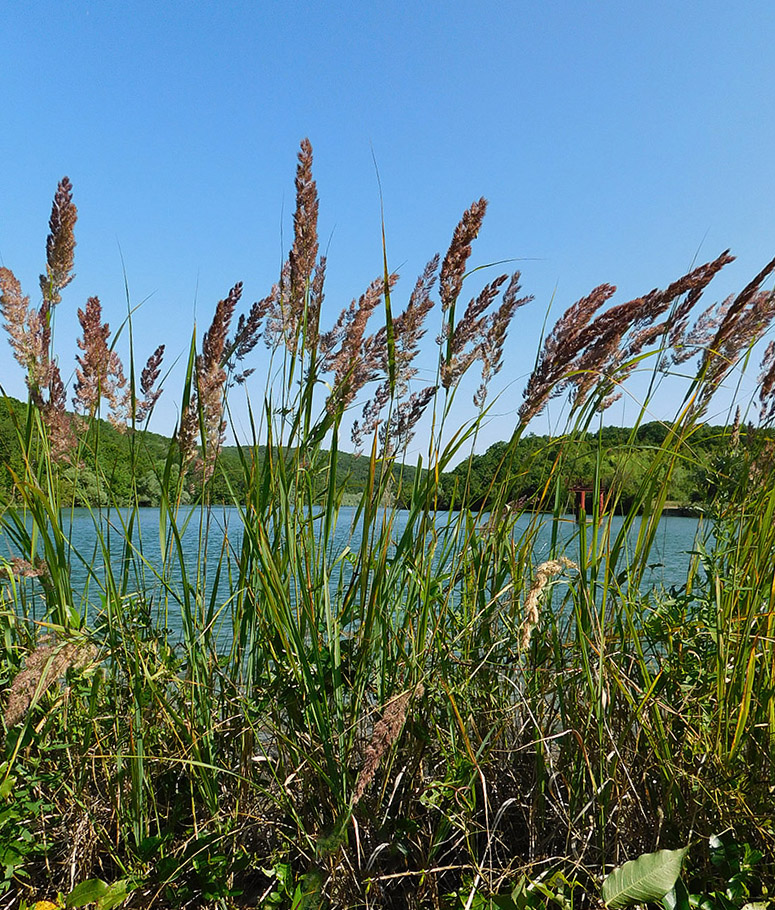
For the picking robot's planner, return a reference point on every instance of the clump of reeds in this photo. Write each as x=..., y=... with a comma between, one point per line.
x=234, y=746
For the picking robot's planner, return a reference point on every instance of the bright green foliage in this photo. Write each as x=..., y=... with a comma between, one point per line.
x=648, y=878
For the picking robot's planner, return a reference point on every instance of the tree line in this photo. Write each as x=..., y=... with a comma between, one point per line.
x=122, y=468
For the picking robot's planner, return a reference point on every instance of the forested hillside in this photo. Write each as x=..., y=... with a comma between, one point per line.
x=538, y=468
x=108, y=460
x=102, y=471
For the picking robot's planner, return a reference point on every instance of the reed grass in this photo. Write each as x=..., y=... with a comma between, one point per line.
x=429, y=717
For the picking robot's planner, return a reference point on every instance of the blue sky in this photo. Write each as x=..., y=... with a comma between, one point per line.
x=615, y=141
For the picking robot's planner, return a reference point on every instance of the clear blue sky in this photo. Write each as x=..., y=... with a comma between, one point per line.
x=614, y=141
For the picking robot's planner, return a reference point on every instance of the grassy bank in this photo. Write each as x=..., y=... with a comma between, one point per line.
x=429, y=718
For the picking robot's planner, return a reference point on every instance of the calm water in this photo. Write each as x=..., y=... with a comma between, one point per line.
x=669, y=557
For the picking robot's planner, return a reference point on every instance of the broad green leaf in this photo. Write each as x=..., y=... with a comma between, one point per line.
x=115, y=895
x=677, y=898
x=647, y=878
x=86, y=892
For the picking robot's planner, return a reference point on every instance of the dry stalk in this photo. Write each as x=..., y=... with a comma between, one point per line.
x=544, y=573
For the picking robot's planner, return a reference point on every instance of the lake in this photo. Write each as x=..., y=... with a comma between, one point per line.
x=668, y=563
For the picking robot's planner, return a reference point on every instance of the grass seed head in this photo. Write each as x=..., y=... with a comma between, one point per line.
x=15, y=308
x=204, y=415
x=60, y=244
x=59, y=424
x=454, y=266
x=100, y=373
x=544, y=573
x=44, y=666
x=305, y=235
x=23, y=568
x=386, y=732
x=148, y=379
x=767, y=383
x=559, y=350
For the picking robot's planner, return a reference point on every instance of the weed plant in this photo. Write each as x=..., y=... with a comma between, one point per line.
x=429, y=717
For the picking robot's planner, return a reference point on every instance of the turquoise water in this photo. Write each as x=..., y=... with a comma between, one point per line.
x=222, y=529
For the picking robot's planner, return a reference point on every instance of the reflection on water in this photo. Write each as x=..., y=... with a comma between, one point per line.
x=206, y=536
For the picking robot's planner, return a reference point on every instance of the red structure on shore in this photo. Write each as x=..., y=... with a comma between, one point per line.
x=580, y=491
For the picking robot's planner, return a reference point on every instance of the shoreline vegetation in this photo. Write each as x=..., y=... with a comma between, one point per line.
x=431, y=718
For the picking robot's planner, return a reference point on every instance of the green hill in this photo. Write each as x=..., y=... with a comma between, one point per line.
x=115, y=467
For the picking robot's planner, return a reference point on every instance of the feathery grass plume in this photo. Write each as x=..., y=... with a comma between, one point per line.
x=408, y=330
x=560, y=348
x=397, y=432
x=766, y=383
x=745, y=322
x=205, y=411
x=619, y=335
x=490, y=349
x=15, y=308
x=371, y=417
x=679, y=319
x=580, y=351
x=476, y=336
x=454, y=266
x=211, y=377
x=148, y=379
x=60, y=245
x=544, y=573
x=353, y=359
x=690, y=287
x=59, y=424
x=23, y=568
x=188, y=432
x=689, y=343
x=304, y=251
x=385, y=734
x=39, y=371
x=316, y=299
x=274, y=331
x=734, y=436
x=26, y=334
x=99, y=373
x=248, y=329
x=468, y=333
x=29, y=329
x=44, y=666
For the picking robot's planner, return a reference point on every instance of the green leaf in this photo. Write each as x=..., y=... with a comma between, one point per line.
x=647, y=878
x=677, y=898
x=86, y=893
x=115, y=895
